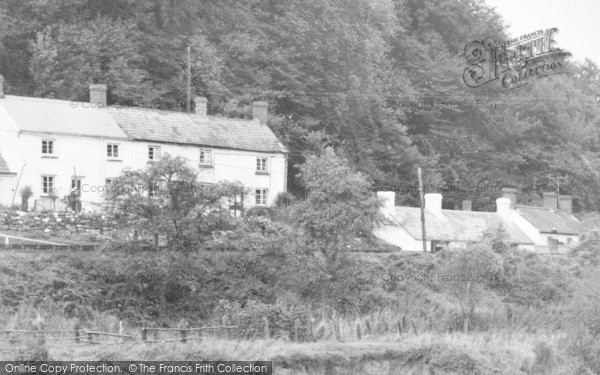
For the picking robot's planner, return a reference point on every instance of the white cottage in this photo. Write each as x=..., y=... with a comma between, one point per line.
x=57, y=145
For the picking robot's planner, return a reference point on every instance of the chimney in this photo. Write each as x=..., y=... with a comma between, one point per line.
x=565, y=204
x=389, y=200
x=260, y=111
x=98, y=95
x=503, y=206
x=433, y=202
x=1, y=86
x=467, y=205
x=510, y=193
x=201, y=106
x=550, y=200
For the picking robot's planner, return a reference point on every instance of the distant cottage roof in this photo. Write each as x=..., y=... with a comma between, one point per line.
x=77, y=118
x=456, y=226
x=550, y=221
x=4, y=169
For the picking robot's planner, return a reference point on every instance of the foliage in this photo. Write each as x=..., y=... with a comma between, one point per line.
x=167, y=198
x=26, y=192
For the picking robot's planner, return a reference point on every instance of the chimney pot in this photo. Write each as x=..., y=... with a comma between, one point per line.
x=565, y=204
x=98, y=95
x=503, y=205
x=550, y=200
x=1, y=86
x=260, y=111
x=201, y=106
x=389, y=200
x=467, y=205
x=433, y=202
x=511, y=194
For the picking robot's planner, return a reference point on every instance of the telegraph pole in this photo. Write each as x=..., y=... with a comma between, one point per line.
x=423, y=233
x=189, y=81
x=557, y=179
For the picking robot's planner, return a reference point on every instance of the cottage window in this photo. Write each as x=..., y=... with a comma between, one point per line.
x=48, y=185
x=261, y=165
x=261, y=197
x=153, y=153
x=569, y=241
x=47, y=147
x=112, y=151
x=206, y=157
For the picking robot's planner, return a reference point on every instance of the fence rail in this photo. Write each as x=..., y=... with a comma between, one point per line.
x=89, y=336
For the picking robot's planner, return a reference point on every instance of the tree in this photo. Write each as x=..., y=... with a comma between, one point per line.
x=339, y=207
x=166, y=198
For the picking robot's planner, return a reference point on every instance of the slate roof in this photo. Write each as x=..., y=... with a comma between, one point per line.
x=60, y=117
x=456, y=226
x=76, y=118
x=546, y=220
x=177, y=127
x=4, y=169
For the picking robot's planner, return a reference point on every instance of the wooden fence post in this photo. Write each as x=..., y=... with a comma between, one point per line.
x=336, y=328
x=183, y=333
x=414, y=327
x=266, y=327
x=90, y=337
x=358, y=333
x=399, y=327
x=77, y=333
x=466, y=325
x=311, y=331
x=368, y=325
x=144, y=334
x=296, y=337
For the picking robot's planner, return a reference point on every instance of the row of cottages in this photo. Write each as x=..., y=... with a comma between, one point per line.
x=55, y=146
x=550, y=228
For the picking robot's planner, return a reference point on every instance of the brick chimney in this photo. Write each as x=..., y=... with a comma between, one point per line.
x=433, y=203
x=98, y=95
x=260, y=111
x=550, y=200
x=565, y=204
x=1, y=86
x=467, y=205
x=510, y=193
x=389, y=200
x=201, y=106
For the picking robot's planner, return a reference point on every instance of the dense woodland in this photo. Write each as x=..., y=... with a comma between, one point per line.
x=322, y=64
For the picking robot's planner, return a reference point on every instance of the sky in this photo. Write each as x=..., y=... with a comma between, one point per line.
x=577, y=22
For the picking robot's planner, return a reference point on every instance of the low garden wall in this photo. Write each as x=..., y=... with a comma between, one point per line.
x=55, y=222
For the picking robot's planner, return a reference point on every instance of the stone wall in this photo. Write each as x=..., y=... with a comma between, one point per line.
x=55, y=222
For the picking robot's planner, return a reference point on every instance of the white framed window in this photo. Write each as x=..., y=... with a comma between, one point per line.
x=48, y=185
x=206, y=157
x=569, y=241
x=47, y=147
x=153, y=153
x=262, y=197
x=262, y=164
x=112, y=151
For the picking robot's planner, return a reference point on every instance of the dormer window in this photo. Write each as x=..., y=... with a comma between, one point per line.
x=47, y=147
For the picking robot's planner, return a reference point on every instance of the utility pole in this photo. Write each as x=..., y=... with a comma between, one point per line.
x=189, y=80
x=557, y=179
x=423, y=233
